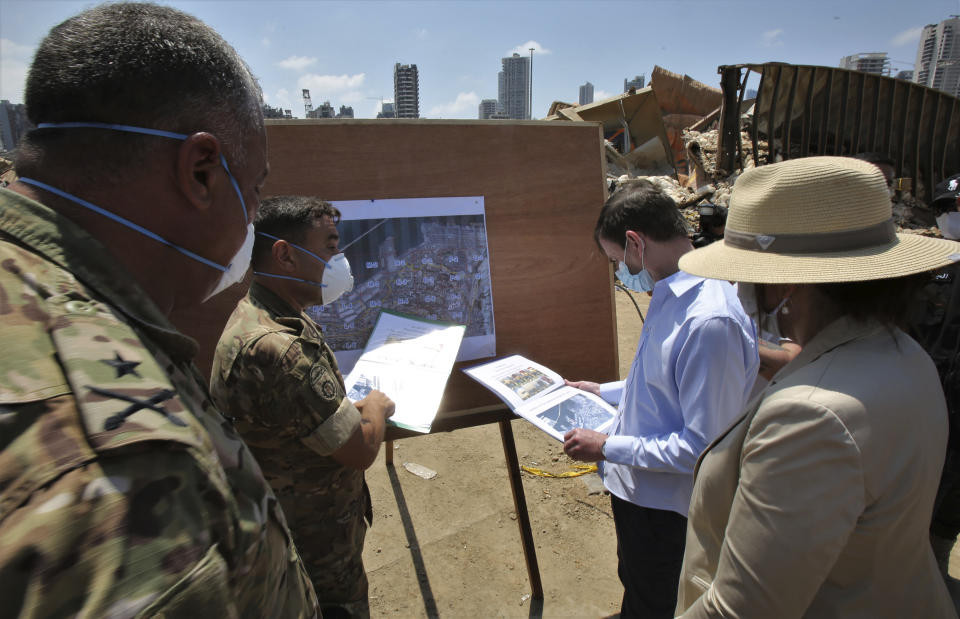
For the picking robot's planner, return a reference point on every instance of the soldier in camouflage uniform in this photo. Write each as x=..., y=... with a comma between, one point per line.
x=123, y=491
x=274, y=372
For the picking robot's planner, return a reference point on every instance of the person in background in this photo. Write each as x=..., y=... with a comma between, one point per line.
x=277, y=376
x=123, y=490
x=817, y=502
x=935, y=323
x=694, y=367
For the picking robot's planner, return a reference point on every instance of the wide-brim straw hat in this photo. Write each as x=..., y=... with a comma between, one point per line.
x=811, y=221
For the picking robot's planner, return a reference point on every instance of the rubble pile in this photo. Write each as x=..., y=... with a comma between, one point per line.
x=702, y=150
x=910, y=214
x=659, y=132
x=686, y=198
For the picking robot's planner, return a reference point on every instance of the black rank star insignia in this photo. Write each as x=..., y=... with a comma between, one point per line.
x=122, y=366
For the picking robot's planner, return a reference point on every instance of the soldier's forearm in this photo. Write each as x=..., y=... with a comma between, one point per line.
x=361, y=450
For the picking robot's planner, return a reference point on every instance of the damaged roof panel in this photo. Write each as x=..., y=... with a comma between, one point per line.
x=804, y=110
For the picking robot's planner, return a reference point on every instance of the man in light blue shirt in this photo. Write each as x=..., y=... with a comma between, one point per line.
x=694, y=368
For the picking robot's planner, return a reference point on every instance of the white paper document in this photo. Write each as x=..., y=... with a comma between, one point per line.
x=538, y=394
x=409, y=359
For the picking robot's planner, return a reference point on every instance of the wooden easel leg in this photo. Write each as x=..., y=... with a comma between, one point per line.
x=520, y=506
x=388, y=454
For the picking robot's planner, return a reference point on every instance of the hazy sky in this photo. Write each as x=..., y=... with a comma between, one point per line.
x=344, y=51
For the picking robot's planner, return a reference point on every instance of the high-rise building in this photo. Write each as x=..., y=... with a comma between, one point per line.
x=514, y=87
x=387, y=110
x=406, y=90
x=487, y=108
x=637, y=82
x=13, y=124
x=346, y=111
x=586, y=93
x=500, y=83
x=874, y=62
x=938, y=56
x=905, y=75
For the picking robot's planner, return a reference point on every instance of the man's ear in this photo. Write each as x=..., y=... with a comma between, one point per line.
x=198, y=162
x=284, y=256
x=631, y=238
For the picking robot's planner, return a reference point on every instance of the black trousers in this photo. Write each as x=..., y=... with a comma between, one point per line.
x=650, y=553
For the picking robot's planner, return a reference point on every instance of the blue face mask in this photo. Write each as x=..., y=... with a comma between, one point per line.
x=230, y=274
x=637, y=282
x=337, y=277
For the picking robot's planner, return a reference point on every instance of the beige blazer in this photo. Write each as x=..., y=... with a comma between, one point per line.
x=817, y=502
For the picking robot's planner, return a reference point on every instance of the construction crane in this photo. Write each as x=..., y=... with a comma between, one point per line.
x=307, y=105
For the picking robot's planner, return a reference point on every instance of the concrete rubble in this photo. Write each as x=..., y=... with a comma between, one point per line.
x=667, y=134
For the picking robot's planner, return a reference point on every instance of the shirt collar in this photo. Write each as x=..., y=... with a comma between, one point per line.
x=680, y=282
x=70, y=247
x=283, y=313
x=271, y=301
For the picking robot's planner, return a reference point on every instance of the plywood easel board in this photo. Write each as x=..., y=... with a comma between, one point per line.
x=543, y=186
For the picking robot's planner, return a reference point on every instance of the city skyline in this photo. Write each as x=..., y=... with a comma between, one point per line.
x=458, y=46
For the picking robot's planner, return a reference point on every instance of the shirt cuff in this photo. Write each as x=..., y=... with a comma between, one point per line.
x=334, y=433
x=618, y=449
x=611, y=392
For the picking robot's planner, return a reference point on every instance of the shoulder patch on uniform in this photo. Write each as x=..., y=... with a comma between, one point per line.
x=323, y=382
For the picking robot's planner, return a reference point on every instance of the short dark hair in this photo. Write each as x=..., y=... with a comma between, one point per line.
x=288, y=218
x=887, y=301
x=638, y=205
x=135, y=64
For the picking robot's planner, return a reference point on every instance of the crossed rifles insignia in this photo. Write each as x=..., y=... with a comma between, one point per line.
x=153, y=403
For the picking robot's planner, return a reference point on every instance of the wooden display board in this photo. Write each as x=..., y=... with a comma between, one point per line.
x=542, y=184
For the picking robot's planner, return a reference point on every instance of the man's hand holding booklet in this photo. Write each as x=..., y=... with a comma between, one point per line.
x=539, y=395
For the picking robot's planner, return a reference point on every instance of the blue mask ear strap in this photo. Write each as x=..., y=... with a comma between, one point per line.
x=294, y=279
x=127, y=128
x=122, y=221
x=303, y=249
x=146, y=131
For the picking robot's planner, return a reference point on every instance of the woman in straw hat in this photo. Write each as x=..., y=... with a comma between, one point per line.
x=817, y=502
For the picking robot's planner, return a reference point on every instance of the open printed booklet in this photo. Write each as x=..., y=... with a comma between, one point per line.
x=409, y=359
x=538, y=394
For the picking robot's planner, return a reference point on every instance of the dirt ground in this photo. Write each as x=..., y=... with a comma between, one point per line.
x=450, y=546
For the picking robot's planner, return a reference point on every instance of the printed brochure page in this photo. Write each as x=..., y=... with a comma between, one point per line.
x=515, y=379
x=538, y=394
x=409, y=359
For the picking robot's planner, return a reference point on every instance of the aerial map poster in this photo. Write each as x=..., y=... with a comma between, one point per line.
x=425, y=257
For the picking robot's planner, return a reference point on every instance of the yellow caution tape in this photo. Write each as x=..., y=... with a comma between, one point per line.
x=579, y=469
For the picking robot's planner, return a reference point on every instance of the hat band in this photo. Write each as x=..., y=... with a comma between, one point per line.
x=882, y=233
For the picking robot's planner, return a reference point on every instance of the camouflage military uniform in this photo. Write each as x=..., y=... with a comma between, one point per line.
x=122, y=490
x=276, y=375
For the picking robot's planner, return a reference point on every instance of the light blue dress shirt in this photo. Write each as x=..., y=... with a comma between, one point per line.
x=693, y=371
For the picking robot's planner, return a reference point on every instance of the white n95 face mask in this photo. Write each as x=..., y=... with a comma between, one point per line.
x=337, y=278
x=238, y=266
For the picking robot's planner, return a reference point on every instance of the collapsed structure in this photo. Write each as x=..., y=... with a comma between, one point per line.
x=693, y=141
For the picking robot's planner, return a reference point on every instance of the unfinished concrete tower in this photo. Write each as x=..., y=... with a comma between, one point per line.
x=406, y=90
